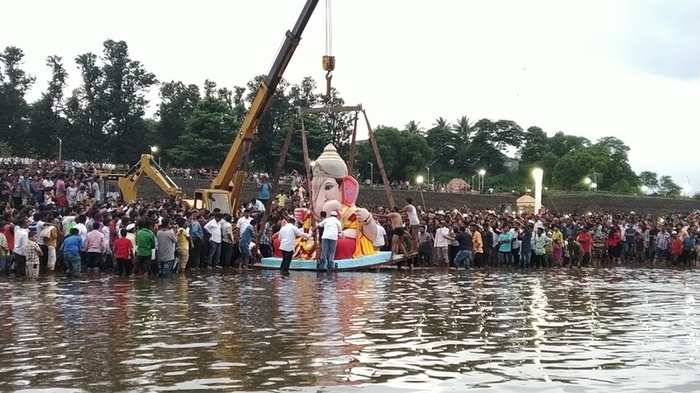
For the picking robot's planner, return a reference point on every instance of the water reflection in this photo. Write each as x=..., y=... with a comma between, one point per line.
x=260, y=331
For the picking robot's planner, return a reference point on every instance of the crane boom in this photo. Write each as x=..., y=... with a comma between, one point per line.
x=231, y=169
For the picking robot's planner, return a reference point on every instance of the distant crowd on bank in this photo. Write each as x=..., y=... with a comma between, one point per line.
x=57, y=219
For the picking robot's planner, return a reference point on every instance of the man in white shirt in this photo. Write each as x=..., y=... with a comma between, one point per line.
x=441, y=243
x=39, y=227
x=257, y=205
x=413, y=222
x=380, y=239
x=95, y=188
x=243, y=221
x=287, y=235
x=82, y=232
x=21, y=240
x=213, y=228
x=227, y=240
x=72, y=194
x=82, y=228
x=332, y=228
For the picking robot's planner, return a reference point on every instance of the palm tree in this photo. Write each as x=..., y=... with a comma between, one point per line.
x=463, y=129
x=413, y=127
x=440, y=122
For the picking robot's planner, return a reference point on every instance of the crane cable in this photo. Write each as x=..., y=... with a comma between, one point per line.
x=329, y=29
x=328, y=58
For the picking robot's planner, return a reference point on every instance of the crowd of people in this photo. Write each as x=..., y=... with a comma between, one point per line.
x=468, y=238
x=57, y=218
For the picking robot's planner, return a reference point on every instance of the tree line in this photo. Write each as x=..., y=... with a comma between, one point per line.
x=104, y=119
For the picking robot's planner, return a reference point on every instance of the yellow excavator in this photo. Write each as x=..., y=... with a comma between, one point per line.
x=128, y=184
x=224, y=191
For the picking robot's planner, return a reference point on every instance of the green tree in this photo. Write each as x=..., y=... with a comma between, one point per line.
x=123, y=101
x=441, y=134
x=463, y=130
x=605, y=162
x=177, y=104
x=442, y=140
x=536, y=144
x=649, y=179
x=46, y=116
x=539, y=150
x=560, y=144
x=611, y=164
x=5, y=149
x=480, y=154
x=338, y=125
x=668, y=187
x=403, y=154
x=413, y=127
x=85, y=113
x=265, y=150
x=573, y=167
x=304, y=95
x=106, y=112
x=209, y=131
x=14, y=111
x=623, y=187
x=502, y=134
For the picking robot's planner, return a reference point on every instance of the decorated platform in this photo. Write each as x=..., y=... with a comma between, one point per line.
x=365, y=262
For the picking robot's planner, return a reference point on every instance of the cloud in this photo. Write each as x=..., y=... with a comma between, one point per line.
x=661, y=37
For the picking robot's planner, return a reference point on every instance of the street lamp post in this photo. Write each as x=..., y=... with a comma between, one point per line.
x=482, y=173
x=537, y=176
x=593, y=185
x=427, y=167
x=419, y=181
x=371, y=173
x=60, y=149
x=154, y=151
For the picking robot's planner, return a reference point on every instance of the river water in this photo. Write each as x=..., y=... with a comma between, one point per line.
x=557, y=330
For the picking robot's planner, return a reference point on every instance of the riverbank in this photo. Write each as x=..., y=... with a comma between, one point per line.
x=564, y=203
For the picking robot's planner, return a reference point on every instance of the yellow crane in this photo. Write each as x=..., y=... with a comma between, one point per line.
x=224, y=191
x=128, y=184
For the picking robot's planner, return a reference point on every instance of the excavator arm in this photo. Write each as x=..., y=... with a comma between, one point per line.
x=231, y=175
x=128, y=184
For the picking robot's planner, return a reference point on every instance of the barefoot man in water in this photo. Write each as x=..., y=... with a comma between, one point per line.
x=413, y=221
x=398, y=231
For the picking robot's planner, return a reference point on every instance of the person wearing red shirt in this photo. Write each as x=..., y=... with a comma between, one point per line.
x=124, y=253
x=9, y=231
x=676, y=247
x=613, y=244
x=585, y=239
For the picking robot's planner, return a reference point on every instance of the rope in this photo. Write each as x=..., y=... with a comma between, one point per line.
x=329, y=29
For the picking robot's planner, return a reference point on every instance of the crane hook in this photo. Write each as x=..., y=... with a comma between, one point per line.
x=328, y=66
x=329, y=76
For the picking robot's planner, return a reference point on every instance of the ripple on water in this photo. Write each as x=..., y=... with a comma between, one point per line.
x=513, y=331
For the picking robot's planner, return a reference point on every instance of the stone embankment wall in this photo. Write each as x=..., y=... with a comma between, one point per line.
x=563, y=203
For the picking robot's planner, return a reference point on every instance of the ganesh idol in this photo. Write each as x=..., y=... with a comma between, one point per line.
x=333, y=189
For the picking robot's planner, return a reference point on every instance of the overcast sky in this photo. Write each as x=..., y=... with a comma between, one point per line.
x=593, y=68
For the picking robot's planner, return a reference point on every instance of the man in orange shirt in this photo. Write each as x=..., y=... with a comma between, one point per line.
x=477, y=245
